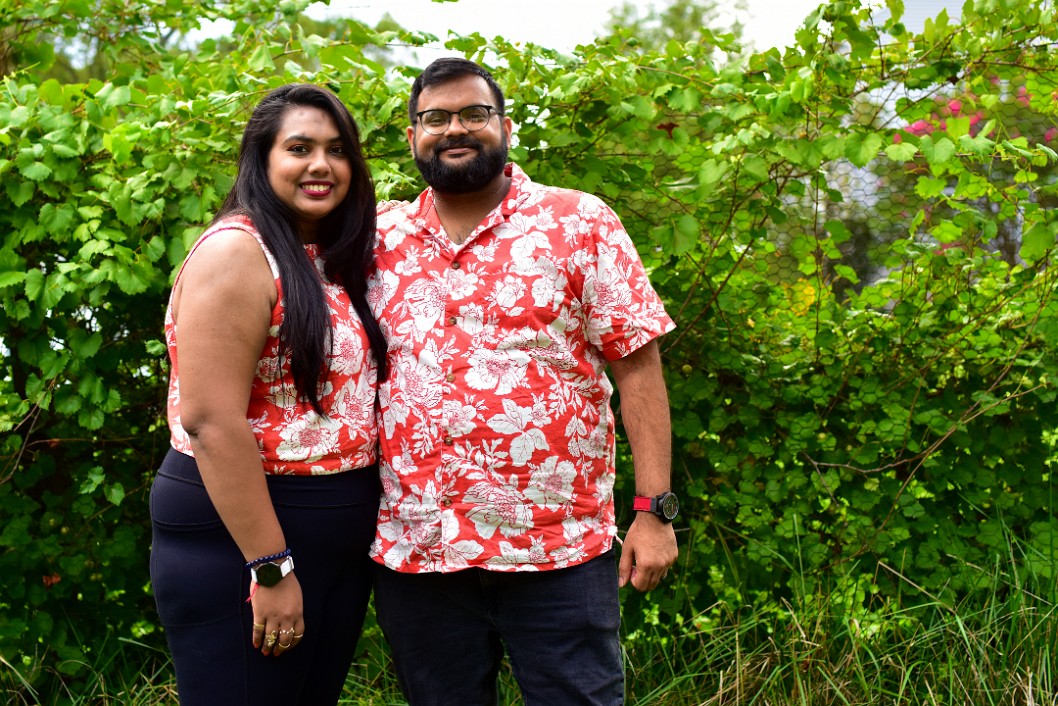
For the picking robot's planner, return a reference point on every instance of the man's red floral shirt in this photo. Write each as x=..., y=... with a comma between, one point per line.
x=497, y=443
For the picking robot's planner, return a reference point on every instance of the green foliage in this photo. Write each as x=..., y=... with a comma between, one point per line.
x=859, y=394
x=893, y=416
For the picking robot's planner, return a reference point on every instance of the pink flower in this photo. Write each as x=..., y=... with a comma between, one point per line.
x=920, y=127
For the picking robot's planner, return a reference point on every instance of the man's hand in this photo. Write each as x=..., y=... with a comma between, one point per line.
x=648, y=551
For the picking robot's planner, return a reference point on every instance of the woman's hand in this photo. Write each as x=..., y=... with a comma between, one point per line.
x=383, y=206
x=278, y=616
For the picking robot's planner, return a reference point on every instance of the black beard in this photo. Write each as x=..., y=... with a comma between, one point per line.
x=486, y=166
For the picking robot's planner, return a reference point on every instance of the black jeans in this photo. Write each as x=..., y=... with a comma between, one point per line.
x=201, y=584
x=560, y=629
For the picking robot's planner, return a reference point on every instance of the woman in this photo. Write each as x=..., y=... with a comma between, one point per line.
x=264, y=508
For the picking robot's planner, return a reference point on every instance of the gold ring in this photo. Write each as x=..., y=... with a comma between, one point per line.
x=270, y=638
x=285, y=647
x=287, y=632
x=298, y=637
x=258, y=625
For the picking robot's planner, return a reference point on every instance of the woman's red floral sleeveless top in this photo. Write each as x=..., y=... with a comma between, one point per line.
x=292, y=437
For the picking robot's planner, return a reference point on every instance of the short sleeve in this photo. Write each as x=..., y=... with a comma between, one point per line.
x=621, y=309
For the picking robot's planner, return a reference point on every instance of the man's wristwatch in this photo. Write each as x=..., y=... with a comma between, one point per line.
x=666, y=506
x=269, y=574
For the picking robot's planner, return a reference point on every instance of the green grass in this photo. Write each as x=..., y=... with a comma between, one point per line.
x=128, y=672
x=996, y=648
x=930, y=654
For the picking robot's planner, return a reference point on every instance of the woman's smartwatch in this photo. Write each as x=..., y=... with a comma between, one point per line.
x=269, y=574
x=666, y=506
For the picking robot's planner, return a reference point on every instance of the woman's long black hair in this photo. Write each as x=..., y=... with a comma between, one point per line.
x=345, y=236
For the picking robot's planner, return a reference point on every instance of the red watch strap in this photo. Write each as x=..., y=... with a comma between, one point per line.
x=642, y=503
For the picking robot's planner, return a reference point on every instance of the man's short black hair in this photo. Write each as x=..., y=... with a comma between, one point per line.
x=447, y=69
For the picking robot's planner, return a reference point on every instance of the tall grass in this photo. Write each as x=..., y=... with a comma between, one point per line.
x=126, y=672
x=1001, y=652
x=995, y=647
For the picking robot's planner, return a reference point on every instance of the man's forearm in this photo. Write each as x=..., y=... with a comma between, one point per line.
x=645, y=416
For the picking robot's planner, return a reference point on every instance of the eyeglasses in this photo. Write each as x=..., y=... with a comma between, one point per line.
x=473, y=118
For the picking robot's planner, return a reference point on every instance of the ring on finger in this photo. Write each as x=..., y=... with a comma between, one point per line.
x=270, y=638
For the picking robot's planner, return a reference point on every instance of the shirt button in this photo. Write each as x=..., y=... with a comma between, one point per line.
x=447, y=502
x=455, y=265
x=451, y=321
x=450, y=377
x=448, y=441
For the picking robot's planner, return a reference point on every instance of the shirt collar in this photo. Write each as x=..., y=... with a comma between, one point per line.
x=518, y=192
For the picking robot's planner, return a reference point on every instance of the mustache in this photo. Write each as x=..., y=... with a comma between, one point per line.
x=457, y=142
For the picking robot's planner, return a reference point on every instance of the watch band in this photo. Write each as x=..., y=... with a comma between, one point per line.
x=269, y=573
x=666, y=505
x=642, y=503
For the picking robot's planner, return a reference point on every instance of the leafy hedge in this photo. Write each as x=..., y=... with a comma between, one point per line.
x=862, y=377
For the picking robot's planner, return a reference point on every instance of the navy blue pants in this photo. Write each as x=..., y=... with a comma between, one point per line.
x=200, y=586
x=560, y=629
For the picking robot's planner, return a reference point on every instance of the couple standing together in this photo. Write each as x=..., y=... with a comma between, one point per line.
x=449, y=358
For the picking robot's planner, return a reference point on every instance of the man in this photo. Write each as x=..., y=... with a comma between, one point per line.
x=503, y=302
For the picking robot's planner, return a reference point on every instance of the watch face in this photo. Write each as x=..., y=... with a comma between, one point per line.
x=268, y=574
x=670, y=506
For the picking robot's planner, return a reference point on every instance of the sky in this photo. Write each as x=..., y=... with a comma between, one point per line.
x=557, y=24
x=563, y=24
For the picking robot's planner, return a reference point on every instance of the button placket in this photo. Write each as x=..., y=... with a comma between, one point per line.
x=451, y=319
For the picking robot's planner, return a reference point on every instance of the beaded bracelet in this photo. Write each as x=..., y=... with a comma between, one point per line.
x=266, y=559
